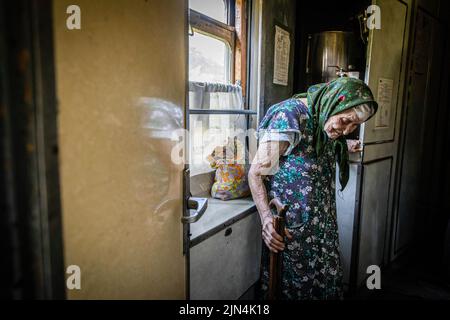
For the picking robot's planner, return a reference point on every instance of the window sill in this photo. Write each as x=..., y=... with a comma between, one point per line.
x=218, y=216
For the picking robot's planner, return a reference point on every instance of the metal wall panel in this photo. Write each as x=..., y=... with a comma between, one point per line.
x=276, y=12
x=413, y=145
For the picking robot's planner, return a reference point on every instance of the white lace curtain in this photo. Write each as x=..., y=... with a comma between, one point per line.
x=204, y=95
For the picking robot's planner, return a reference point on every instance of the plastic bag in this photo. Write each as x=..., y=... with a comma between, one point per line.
x=231, y=174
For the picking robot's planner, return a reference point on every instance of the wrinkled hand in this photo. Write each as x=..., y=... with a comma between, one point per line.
x=354, y=146
x=272, y=239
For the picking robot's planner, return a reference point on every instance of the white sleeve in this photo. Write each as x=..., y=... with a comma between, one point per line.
x=292, y=137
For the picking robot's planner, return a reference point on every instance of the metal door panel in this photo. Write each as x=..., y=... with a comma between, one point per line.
x=386, y=59
x=378, y=151
x=373, y=215
x=121, y=193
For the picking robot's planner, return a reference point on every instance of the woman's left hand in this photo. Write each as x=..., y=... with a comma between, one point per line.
x=354, y=146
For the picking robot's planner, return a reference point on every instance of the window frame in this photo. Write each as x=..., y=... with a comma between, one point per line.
x=210, y=27
x=233, y=33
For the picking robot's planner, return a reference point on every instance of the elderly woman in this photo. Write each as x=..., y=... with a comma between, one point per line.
x=301, y=139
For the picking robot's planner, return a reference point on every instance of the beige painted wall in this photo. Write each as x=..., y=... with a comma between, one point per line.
x=113, y=174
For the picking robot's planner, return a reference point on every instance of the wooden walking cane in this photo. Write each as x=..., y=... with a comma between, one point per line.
x=276, y=259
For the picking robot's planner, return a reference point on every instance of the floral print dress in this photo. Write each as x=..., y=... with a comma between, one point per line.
x=306, y=182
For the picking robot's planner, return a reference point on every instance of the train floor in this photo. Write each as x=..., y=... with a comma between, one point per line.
x=410, y=279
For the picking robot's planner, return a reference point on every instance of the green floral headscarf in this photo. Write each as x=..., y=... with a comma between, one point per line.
x=326, y=100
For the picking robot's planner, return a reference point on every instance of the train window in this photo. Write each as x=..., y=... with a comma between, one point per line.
x=217, y=77
x=209, y=59
x=212, y=41
x=224, y=22
x=216, y=9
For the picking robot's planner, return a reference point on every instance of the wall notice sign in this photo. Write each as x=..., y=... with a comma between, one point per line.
x=384, y=99
x=281, y=58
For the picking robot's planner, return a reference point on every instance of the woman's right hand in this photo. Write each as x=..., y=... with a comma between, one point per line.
x=272, y=239
x=354, y=146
